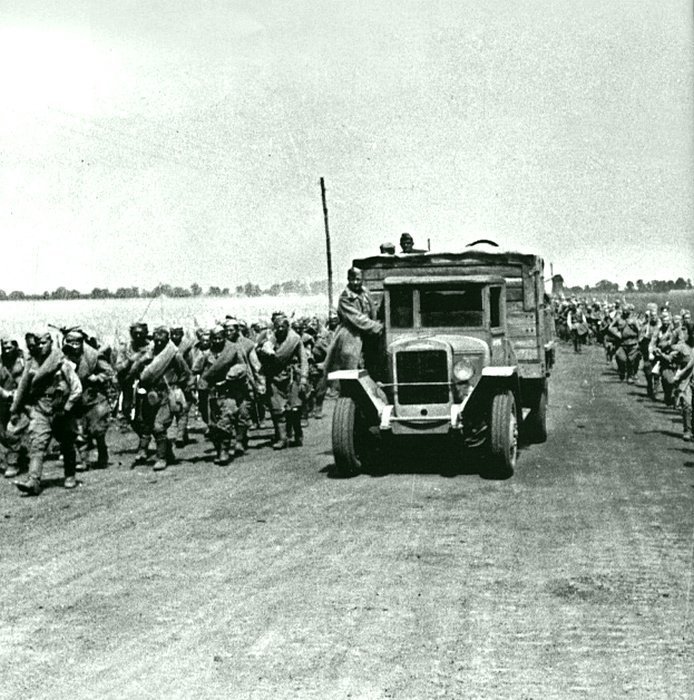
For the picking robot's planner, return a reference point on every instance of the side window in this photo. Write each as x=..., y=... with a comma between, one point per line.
x=401, y=310
x=495, y=307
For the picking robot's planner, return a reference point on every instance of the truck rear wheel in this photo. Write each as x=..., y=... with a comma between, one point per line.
x=535, y=423
x=503, y=432
x=351, y=439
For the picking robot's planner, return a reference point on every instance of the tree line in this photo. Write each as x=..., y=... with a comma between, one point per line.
x=195, y=290
x=606, y=286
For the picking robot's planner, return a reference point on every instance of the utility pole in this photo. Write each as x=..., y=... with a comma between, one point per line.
x=327, y=247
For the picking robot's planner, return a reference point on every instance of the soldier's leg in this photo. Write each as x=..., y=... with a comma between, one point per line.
x=14, y=440
x=634, y=358
x=278, y=406
x=163, y=421
x=65, y=432
x=320, y=392
x=666, y=378
x=621, y=358
x=39, y=435
x=295, y=414
x=96, y=425
x=687, y=418
x=243, y=424
x=143, y=424
x=228, y=415
x=182, y=438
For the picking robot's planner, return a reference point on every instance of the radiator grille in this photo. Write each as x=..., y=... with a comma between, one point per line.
x=422, y=367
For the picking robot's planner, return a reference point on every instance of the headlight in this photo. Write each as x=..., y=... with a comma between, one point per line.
x=463, y=371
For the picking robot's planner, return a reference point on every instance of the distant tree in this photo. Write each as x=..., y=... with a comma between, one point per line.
x=680, y=283
x=195, y=289
x=99, y=293
x=689, y=283
x=251, y=290
x=214, y=292
x=16, y=295
x=239, y=290
x=319, y=287
x=640, y=286
x=606, y=286
x=273, y=290
x=225, y=292
x=127, y=293
x=630, y=286
x=3, y=295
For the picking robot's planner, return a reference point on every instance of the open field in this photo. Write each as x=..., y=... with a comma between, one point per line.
x=269, y=579
x=110, y=318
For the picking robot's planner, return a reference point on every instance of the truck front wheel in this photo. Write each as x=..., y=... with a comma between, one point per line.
x=503, y=432
x=351, y=438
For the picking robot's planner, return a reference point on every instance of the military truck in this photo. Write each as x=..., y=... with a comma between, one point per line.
x=465, y=355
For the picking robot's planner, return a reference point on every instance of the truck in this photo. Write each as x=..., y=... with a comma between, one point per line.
x=465, y=356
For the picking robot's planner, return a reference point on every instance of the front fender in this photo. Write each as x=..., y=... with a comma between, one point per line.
x=363, y=390
x=492, y=381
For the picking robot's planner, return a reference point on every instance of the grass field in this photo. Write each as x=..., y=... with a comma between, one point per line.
x=110, y=318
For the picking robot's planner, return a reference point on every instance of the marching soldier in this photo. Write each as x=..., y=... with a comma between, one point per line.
x=163, y=377
x=49, y=387
x=92, y=410
x=185, y=347
x=129, y=359
x=224, y=380
x=286, y=368
x=11, y=436
x=627, y=356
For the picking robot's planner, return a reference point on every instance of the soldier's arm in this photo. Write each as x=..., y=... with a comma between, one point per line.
x=352, y=315
x=103, y=372
x=74, y=385
x=21, y=392
x=185, y=376
x=303, y=359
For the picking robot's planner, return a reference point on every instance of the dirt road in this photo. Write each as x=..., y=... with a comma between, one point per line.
x=268, y=579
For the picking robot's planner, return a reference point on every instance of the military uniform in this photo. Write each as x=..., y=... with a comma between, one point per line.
x=224, y=377
x=93, y=410
x=129, y=362
x=286, y=367
x=162, y=382
x=49, y=388
x=185, y=348
x=11, y=435
x=627, y=355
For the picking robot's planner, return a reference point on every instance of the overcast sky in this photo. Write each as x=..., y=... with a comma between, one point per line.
x=183, y=142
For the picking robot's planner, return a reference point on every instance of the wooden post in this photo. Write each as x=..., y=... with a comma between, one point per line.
x=327, y=247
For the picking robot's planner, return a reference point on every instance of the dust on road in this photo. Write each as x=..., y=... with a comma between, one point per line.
x=269, y=579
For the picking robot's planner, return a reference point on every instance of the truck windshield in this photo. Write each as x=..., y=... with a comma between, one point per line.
x=441, y=307
x=401, y=308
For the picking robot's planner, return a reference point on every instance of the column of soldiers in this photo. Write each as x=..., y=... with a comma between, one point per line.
x=656, y=341
x=67, y=390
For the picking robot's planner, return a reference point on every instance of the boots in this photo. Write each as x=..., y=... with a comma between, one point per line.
x=102, y=452
x=31, y=486
x=162, y=454
x=294, y=417
x=142, y=452
x=223, y=456
x=280, y=441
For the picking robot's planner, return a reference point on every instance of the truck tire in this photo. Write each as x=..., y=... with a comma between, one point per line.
x=350, y=438
x=503, y=433
x=535, y=424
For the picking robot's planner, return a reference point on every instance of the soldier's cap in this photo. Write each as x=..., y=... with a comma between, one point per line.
x=406, y=237
x=140, y=327
x=387, y=247
x=161, y=330
x=242, y=323
x=217, y=329
x=230, y=322
x=176, y=326
x=74, y=333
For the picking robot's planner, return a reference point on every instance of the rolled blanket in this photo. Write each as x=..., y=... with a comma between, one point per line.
x=156, y=369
